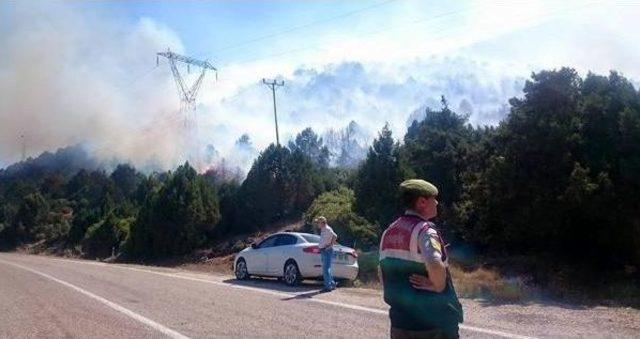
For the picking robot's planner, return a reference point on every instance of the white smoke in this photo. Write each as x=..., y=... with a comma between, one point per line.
x=69, y=76
x=66, y=77
x=74, y=77
x=329, y=97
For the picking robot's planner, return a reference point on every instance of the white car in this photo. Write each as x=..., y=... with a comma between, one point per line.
x=293, y=257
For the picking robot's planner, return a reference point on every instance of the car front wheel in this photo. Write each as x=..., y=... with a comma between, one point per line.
x=241, y=270
x=292, y=275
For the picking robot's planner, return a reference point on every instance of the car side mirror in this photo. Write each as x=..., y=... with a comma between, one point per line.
x=254, y=246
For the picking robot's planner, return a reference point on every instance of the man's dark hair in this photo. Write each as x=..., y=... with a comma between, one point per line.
x=409, y=199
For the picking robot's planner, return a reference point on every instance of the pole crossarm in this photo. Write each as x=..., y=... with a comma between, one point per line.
x=272, y=83
x=187, y=60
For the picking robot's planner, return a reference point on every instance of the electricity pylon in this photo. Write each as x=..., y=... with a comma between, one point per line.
x=186, y=93
x=187, y=96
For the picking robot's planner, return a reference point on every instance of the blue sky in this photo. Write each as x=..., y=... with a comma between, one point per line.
x=85, y=72
x=226, y=30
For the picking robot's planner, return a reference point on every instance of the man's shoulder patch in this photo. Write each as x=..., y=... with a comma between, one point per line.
x=435, y=244
x=432, y=232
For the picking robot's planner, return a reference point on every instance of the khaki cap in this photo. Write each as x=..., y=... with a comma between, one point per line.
x=419, y=187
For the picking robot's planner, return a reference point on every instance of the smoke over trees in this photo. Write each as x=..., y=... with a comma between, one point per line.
x=558, y=178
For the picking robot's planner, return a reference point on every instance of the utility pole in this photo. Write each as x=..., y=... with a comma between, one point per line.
x=24, y=147
x=273, y=84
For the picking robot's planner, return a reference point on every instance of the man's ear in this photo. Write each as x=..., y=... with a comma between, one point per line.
x=422, y=200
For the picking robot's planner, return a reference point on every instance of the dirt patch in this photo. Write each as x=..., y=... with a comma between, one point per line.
x=42, y=247
x=222, y=264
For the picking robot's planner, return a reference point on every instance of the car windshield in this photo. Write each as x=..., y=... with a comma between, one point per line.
x=269, y=242
x=312, y=238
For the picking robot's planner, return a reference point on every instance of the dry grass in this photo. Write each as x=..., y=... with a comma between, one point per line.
x=486, y=283
x=474, y=283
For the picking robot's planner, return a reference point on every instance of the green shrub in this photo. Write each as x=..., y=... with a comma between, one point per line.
x=177, y=218
x=105, y=236
x=368, y=263
x=337, y=207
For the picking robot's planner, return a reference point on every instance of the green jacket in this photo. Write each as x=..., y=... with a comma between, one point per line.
x=400, y=257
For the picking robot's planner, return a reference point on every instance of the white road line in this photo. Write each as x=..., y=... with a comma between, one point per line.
x=291, y=295
x=163, y=329
x=496, y=333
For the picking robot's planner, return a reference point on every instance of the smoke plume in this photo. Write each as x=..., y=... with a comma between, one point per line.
x=72, y=77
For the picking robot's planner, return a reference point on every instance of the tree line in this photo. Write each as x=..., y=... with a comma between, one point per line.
x=558, y=178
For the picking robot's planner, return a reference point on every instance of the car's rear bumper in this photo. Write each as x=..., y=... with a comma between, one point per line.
x=349, y=272
x=339, y=271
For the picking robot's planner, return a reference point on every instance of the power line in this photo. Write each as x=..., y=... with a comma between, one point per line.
x=296, y=28
x=389, y=28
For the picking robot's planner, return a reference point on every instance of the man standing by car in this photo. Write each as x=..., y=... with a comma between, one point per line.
x=414, y=269
x=327, y=240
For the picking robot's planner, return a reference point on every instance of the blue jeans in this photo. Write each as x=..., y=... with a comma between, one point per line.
x=327, y=255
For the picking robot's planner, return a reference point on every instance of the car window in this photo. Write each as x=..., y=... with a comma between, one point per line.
x=312, y=238
x=269, y=242
x=286, y=239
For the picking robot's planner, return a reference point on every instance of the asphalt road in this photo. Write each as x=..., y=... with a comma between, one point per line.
x=44, y=296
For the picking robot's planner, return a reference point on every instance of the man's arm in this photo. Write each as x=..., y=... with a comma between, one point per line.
x=436, y=278
x=334, y=237
x=435, y=282
x=437, y=275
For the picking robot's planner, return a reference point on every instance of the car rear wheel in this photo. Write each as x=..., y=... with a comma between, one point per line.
x=292, y=275
x=241, y=270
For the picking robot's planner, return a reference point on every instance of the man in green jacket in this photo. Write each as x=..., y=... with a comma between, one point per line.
x=414, y=269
